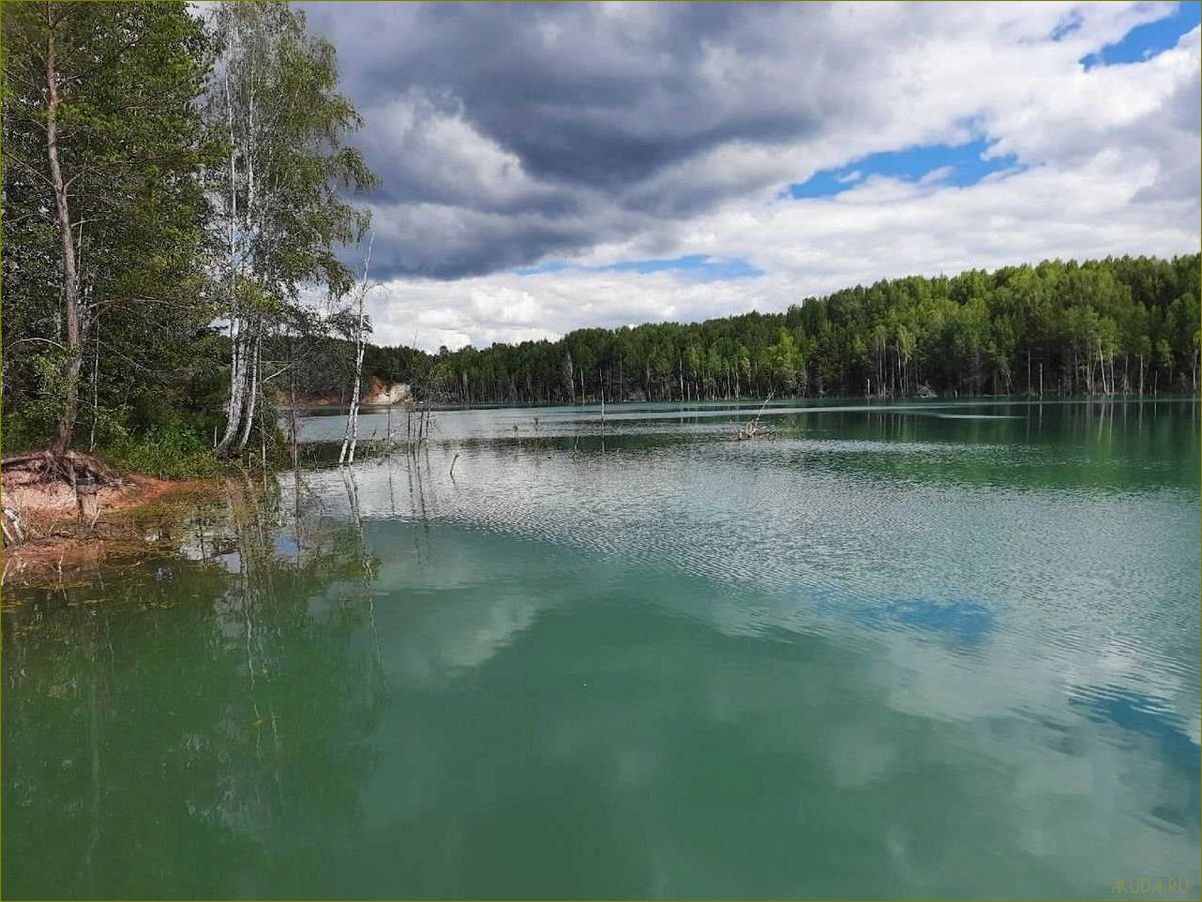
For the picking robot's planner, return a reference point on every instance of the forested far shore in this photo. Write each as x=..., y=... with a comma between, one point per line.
x=1126, y=325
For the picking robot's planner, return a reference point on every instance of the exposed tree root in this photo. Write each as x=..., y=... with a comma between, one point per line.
x=48, y=476
x=45, y=466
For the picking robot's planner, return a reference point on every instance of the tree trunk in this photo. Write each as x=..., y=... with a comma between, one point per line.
x=236, y=399
x=66, y=423
x=233, y=413
x=252, y=388
x=292, y=414
x=351, y=437
x=95, y=384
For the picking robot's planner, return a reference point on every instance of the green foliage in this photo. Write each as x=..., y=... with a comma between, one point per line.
x=146, y=147
x=1108, y=326
x=274, y=106
x=162, y=451
x=131, y=145
x=21, y=433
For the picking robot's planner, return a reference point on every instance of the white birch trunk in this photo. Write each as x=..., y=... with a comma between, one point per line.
x=233, y=409
x=350, y=437
x=354, y=416
x=253, y=387
x=234, y=405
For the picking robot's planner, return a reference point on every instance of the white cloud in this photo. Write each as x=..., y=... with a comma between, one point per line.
x=1108, y=164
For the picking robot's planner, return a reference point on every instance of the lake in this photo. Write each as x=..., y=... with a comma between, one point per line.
x=911, y=650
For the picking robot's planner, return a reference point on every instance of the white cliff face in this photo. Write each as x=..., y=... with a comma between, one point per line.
x=396, y=393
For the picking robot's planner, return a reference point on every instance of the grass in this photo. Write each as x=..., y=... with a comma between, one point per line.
x=162, y=452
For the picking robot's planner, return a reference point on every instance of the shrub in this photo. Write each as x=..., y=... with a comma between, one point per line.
x=166, y=452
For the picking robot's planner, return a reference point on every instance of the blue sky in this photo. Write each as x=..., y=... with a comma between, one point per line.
x=966, y=165
x=696, y=267
x=1145, y=41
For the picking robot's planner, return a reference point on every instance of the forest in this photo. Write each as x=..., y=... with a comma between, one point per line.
x=176, y=184
x=1104, y=327
x=184, y=262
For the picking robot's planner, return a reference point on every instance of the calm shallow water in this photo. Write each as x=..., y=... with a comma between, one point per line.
x=921, y=650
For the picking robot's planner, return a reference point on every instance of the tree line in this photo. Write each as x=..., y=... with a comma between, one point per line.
x=1127, y=325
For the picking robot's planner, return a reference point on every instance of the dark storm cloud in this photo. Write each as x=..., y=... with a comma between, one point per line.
x=446, y=243
x=506, y=132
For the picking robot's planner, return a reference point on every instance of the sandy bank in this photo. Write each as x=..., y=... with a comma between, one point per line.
x=54, y=534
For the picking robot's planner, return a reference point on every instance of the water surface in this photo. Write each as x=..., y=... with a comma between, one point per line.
x=913, y=650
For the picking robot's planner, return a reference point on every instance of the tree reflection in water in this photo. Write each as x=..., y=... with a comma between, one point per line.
x=275, y=595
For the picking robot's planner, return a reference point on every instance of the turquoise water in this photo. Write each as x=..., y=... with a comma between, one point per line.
x=929, y=650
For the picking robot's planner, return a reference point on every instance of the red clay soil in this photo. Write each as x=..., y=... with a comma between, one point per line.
x=375, y=390
x=50, y=516
x=373, y=393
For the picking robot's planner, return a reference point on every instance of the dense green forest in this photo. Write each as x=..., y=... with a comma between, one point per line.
x=182, y=255
x=1114, y=326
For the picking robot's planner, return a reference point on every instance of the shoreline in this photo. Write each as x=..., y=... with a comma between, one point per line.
x=55, y=536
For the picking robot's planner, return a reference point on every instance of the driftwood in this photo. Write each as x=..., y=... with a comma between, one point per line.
x=755, y=428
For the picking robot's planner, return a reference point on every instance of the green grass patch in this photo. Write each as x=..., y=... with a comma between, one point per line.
x=165, y=452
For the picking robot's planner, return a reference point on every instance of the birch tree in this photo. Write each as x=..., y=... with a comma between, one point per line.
x=351, y=436
x=277, y=198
